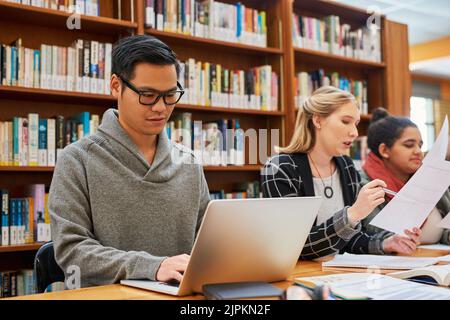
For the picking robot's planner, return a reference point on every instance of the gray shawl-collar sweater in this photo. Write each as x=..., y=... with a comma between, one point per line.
x=115, y=216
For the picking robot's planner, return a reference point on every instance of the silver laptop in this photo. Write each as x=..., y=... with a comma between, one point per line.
x=244, y=240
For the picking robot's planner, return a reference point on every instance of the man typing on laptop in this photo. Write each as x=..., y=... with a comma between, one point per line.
x=121, y=206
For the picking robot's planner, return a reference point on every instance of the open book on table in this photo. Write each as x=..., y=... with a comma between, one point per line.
x=439, y=275
x=374, y=286
x=386, y=264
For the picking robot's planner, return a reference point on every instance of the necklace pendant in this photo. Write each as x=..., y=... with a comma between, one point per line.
x=328, y=191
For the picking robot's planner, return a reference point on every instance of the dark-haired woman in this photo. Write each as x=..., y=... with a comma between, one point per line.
x=395, y=144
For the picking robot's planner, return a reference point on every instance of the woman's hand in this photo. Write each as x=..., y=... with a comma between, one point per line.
x=370, y=196
x=402, y=244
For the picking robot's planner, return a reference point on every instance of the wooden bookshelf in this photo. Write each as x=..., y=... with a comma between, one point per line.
x=195, y=108
x=381, y=91
x=233, y=168
x=20, y=248
x=388, y=80
x=320, y=57
x=57, y=96
x=25, y=169
x=57, y=19
x=213, y=44
x=22, y=93
x=205, y=168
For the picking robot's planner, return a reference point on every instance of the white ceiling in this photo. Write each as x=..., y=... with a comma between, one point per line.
x=436, y=67
x=426, y=19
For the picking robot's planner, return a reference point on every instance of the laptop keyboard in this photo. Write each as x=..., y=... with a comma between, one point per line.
x=172, y=283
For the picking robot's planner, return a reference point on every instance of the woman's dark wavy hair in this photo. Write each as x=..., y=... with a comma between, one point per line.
x=385, y=129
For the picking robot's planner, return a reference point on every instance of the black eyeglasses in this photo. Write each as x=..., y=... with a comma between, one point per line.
x=150, y=98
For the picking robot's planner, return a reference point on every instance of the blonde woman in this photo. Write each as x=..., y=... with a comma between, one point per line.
x=313, y=164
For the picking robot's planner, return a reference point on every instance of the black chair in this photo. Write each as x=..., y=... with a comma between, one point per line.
x=46, y=269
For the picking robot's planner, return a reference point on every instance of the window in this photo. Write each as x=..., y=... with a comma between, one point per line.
x=422, y=115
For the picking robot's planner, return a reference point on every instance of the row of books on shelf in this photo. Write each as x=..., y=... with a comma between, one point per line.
x=307, y=82
x=25, y=220
x=214, y=143
x=22, y=283
x=17, y=283
x=35, y=141
x=359, y=151
x=330, y=35
x=243, y=190
x=209, y=19
x=87, y=7
x=209, y=84
x=83, y=67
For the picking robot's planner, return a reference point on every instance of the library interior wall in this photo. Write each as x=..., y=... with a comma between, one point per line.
x=432, y=87
x=445, y=90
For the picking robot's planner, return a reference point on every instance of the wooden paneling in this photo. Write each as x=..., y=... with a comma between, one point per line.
x=398, y=76
x=445, y=90
x=289, y=69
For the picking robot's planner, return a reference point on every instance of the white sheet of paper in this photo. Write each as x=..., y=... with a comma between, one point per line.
x=438, y=246
x=445, y=223
x=379, y=262
x=414, y=202
x=443, y=259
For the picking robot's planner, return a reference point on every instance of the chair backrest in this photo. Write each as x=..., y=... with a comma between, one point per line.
x=46, y=269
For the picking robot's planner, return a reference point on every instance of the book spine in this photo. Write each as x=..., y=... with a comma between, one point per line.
x=13, y=222
x=93, y=74
x=37, y=69
x=150, y=14
x=24, y=143
x=16, y=141
x=47, y=231
x=108, y=66
x=42, y=151
x=5, y=217
x=60, y=135
x=86, y=65
x=51, y=142
x=55, y=66
x=20, y=222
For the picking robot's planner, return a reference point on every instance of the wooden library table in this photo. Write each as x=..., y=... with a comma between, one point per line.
x=119, y=292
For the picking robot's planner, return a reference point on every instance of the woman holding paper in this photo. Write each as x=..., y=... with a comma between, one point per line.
x=313, y=164
x=396, y=154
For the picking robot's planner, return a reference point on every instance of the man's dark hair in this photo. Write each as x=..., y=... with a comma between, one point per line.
x=385, y=129
x=127, y=52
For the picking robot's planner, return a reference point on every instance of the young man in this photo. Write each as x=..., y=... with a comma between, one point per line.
x=126, y=203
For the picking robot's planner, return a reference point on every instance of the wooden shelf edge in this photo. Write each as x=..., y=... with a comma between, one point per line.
x=207, y=41
x=15, y=90
x=205, y=168
x=25, y=169
x=229, y=110
x=65, y=15
x=350, y=61
x=55, y=93
x=251, y=167
x=21, y=247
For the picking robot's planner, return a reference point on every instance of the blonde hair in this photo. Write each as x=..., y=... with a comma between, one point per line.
x=323, y=102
